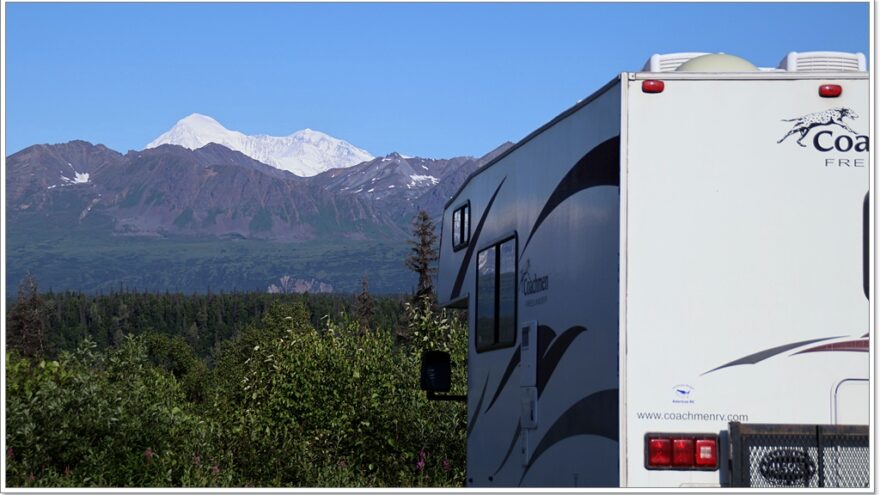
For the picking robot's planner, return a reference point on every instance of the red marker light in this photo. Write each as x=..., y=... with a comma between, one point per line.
x=830, y=90
x=659, y=452
x=652, y=86
x=683, y=452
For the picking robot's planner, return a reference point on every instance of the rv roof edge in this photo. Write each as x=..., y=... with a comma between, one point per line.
x=586, y=101
x=774, y=75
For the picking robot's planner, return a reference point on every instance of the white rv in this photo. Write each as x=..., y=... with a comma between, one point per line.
x=667, y=285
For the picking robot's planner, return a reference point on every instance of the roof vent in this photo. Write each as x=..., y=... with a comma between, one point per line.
x=668, y=62
x=823, y=62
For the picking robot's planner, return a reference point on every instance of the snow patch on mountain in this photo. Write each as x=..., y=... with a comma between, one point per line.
x=78, y=178
x=304, y=153
x=421, y=180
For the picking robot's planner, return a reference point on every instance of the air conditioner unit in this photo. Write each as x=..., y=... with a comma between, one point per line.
x=668, y=62
x=823, y=62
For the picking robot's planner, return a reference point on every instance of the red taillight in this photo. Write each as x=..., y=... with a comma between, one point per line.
x=830, y=90
x=659, y=452
x=707, y=453
x=683, y=452
x=652, y=86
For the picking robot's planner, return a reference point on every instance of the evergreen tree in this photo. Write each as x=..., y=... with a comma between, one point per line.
x=423, y=256
x=365, y=306
x=26, y=329
x=116, y=333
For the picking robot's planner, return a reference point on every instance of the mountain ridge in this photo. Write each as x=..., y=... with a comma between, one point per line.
x=84, y=216
x=173, y=190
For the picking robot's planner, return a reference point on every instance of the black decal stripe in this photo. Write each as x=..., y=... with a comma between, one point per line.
x=554, y=354
x=595, y=414
x=459, y=279
x=476, y=415
x=760, y=356
x=545, y=336
x=509, y=449
x=514, y=361
x=599, y=167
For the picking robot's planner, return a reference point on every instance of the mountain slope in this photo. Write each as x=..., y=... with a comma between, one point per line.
x=82, y=216
x=434, y=199
x=402, y=186
x=171, y=190
x=35, y=171
x=304, y=153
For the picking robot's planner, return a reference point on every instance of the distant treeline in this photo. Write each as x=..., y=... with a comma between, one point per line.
x=203, y=320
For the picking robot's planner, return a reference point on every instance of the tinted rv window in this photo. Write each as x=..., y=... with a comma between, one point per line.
x=496, y=296
x=461, y=226
x=507, y=293
x=466, y=223
x=486, y=298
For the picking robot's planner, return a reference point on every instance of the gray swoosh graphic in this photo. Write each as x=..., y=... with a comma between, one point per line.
x=760, y=356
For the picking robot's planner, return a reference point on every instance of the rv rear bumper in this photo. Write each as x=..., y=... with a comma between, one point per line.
x=805, y=456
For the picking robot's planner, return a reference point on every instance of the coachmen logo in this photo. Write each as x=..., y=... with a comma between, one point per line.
x=825, y=140
x=530, y=283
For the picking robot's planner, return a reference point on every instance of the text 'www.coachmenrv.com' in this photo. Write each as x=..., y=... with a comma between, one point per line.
x=692, y=416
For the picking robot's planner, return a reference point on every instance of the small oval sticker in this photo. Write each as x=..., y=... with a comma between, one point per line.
x=683, y=390
x=788, y=467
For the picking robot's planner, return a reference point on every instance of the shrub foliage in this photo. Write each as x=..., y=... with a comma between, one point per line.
x=284, y=403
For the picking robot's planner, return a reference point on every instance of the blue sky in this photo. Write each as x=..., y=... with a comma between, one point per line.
x=434, y=80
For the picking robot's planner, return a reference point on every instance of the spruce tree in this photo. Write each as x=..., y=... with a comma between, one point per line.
x=26, y=331
x=424, y=254
x=365, y=306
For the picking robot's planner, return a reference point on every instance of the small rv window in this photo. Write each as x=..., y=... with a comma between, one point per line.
x=496, y=296
x=461, y=226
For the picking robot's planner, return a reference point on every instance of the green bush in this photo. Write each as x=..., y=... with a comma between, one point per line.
x=286, y=404
x=103, y=419
x=340, y=405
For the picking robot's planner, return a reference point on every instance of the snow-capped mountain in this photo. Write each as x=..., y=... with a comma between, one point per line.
x=304, y=153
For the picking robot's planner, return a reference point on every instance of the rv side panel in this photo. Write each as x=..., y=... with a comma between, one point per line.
x=544, y=241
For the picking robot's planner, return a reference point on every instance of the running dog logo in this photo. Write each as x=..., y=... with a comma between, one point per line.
x=833, y=116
